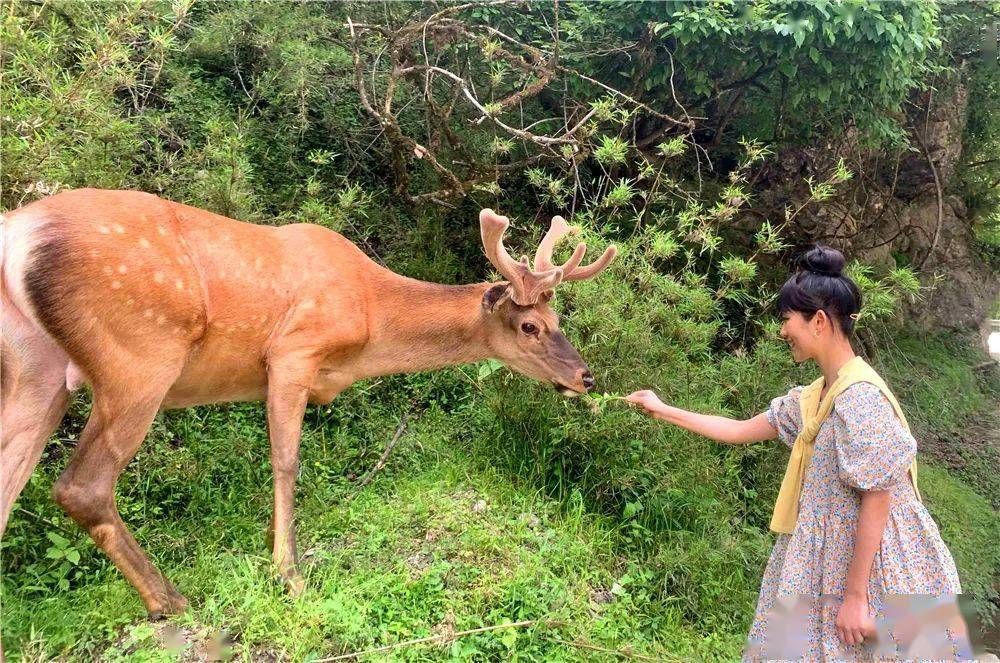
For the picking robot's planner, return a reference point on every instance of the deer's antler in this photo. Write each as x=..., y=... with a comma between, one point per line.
x=571, y=268
x=528, y=284
x=525, y=285
x=557, y=230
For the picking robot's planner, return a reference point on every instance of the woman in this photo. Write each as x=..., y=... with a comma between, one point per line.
x=852, y=534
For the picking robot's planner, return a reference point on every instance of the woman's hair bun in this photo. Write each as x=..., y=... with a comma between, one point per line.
x=823, y=260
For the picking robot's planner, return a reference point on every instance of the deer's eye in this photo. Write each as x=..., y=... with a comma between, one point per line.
x=529, y=328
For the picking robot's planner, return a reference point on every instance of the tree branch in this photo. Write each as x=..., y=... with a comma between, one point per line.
x=388, y=449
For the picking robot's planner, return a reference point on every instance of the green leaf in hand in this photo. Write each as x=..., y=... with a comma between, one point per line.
x=596, y=402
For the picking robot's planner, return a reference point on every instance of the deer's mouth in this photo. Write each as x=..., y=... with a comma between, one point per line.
x=569, y=392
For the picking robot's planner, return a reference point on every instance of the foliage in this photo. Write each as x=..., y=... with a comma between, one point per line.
x=252, y=110
x=822, y=65
x=980, y=171
x=409, y=556
x=958, y=433
x=959, y=509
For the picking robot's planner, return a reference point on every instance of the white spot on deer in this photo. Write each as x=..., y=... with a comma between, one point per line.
x=184, y=260
x=179, y=284
x=258, y=263
x=158, y=277
x=122, y=269
x=148, y=313
x=104, y=230
x=160, y=319
x=116, y=284
x=161, y=230
x=222, y=273
x=118, y=228
x=178, y=331
x=144, y=243
x=308, y=304
x=129, y=302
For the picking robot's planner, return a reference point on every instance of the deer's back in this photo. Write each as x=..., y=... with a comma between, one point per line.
x=128, y=276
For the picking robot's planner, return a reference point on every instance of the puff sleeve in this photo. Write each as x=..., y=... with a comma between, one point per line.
x=785, y=416
x=874, y=449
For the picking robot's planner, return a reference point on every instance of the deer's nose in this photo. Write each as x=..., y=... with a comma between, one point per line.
x=588, y=380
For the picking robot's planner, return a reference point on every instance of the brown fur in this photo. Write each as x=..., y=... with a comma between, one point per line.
x=161, y=305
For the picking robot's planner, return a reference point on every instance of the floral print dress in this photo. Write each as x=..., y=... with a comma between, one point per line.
x=860, y=446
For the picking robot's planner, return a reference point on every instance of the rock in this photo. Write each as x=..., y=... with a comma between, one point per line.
x=601, y=596
x=418, y=562
x=531, y=520
x=445, y=628
x=889, y=210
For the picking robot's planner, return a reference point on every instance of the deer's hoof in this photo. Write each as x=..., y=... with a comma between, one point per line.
x=294, y=583
x=169, y=602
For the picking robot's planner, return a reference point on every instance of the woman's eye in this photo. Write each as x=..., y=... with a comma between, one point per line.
x=529, y=328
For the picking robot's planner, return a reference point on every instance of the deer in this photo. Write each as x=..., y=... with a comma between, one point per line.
x=157, y=305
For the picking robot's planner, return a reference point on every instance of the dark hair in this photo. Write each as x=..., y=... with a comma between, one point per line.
x=819, y=284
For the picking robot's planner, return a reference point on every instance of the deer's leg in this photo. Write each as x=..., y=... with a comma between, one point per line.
x=287, y=394
x=33, y=400
x=86, y=490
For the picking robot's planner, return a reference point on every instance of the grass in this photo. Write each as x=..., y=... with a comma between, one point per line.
x=436, y=543
x=971, y=527
x=951, y=395
x=462, y=529
x=952, y=403
x=935, y=372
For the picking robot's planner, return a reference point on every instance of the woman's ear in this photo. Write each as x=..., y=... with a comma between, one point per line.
x=820, y=321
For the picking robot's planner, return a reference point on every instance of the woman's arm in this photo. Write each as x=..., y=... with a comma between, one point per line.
x=720, y=429
x=853, y=622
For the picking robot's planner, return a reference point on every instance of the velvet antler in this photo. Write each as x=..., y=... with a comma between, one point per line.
x=528, y=284
x=525, y=285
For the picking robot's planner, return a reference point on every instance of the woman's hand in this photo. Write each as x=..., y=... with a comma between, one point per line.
x=853, y=622
x=649, y=401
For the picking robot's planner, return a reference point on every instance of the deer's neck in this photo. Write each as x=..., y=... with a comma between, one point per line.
x=416, y=326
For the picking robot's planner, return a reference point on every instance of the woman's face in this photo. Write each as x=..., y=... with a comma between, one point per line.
x=800, y=335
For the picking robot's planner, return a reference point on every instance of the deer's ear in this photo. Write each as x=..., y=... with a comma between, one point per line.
x=495, y=296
